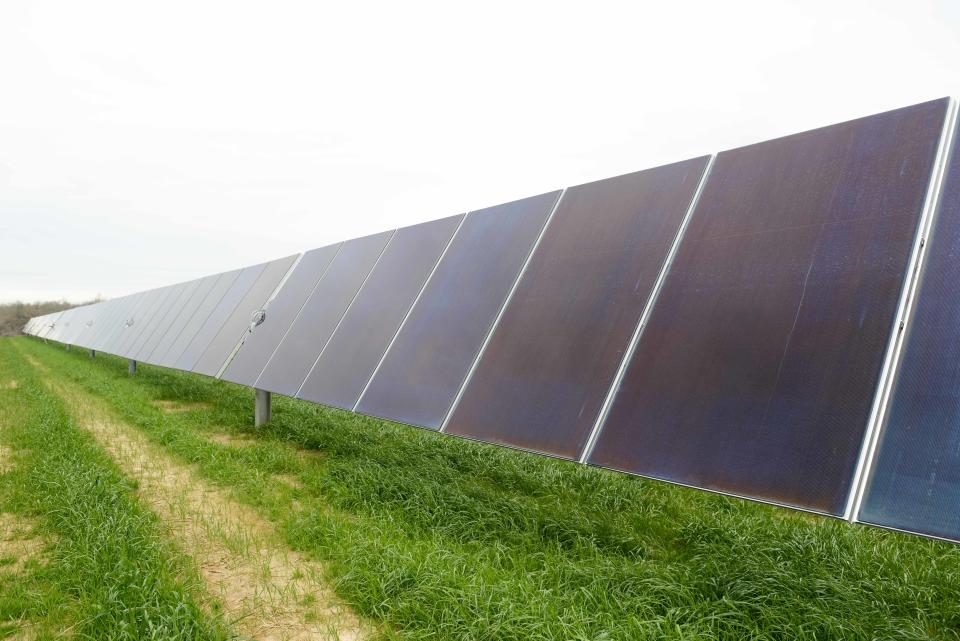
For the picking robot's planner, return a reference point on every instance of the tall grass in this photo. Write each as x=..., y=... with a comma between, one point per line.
x=442, y=538
x=110, y=572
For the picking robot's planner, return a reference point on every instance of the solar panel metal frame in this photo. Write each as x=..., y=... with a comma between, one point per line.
x=57, y=328
x=173, y=307
x=102, y=313
x=496, y=321
x=76, y=326
x=110, y=322
x=138, y=319
x=264, y=339
x=50, y=323
x=511, y=286
x=229, y=336
x=157, y=310
x=269, y=379
x=644, y=317
x=110, y=342
x=212, y=325
x=157, y=319
x=79, y=326
x=892, y=363
x=601, y=390
x=204, y=286
x=71, y=326
x=87, y=316
x=917, y=239
x=111, y=311
x=106, y=342
x=362, y=298
x=205, y=306
x=63, y=326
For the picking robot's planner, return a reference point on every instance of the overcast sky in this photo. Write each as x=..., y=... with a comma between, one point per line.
x=143, y=144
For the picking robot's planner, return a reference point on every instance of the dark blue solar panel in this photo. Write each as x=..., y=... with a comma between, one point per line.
x=915, y=484
x=758, y=368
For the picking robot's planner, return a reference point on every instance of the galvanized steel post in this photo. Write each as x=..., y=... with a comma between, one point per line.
x=262, y=408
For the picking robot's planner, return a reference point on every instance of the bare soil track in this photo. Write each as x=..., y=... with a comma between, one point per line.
x=267, y=591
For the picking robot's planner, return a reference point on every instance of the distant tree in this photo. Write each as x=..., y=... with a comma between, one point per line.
x=13, y=316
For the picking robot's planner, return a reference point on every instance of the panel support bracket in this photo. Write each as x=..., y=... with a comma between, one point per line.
x=131, y=367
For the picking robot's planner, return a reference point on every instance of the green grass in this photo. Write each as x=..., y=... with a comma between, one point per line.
x=441, y=538
x=106, y=571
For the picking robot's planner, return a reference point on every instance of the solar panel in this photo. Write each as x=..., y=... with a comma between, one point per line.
x=732, y=325
x=356, y=347
x=237, y=323
x=63, y=328
x=204, y=307
x=110, y=342
x=54, y=326
x=47, y=325
x=170, y=297
x=96, y=317
x=119, y=316
x=219, y=314
x=143, y=329
x=757, y=369
x=543, y=377
x=57, y=324
x=139, y=319
x=42, y=325
x=165, y=319
x=101, y=314
x=915, y=483
x=432, y=355
x=88, y=315
x=78, y=322
x=63, y=325
x=298, y=351
x=263, y=339
x=111, y=310
x=68, y=324
x=199, y=290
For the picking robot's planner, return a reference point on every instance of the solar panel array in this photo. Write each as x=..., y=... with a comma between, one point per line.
x=775, y=322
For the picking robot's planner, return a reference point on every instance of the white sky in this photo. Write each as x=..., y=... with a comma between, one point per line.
x=143, y=144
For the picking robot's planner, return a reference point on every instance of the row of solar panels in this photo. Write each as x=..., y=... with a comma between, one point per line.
x=734, y=323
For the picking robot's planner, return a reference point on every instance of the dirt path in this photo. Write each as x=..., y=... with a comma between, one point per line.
x=268, y=591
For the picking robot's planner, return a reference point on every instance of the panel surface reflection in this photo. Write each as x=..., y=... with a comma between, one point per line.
x=546, y=371
x=915, y=483
x=296, y=354
x=260, y=343
x=433, y=353
x=757, y=370
x=355, y=349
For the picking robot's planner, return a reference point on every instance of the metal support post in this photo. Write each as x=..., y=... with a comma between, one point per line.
x=262, y=410
x=132, y=367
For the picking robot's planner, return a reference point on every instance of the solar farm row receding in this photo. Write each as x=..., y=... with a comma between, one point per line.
x=732, y=323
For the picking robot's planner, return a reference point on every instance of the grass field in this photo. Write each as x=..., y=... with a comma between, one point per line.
x=414, y=535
